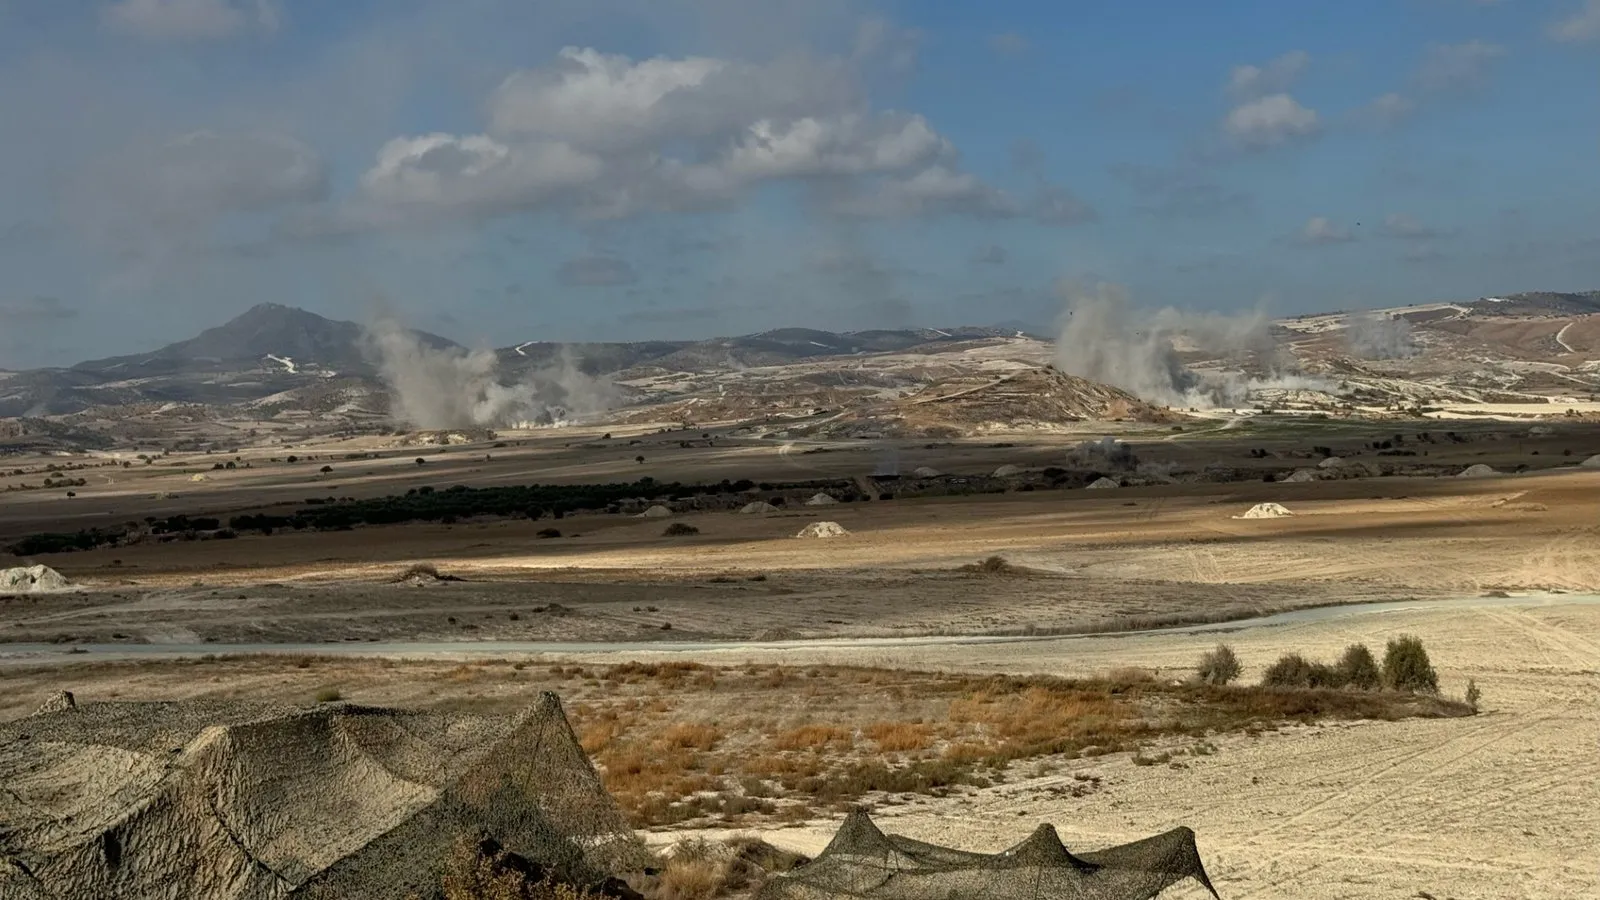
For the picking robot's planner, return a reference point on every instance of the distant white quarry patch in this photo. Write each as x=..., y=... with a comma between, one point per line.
x=286, y=361
x=822, y=530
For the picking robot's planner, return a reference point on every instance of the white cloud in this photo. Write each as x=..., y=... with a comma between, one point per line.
x=475, y=173
x=1249, y=82
x=605, y=137
x=1271, y=120
x=191, y=20
x=847, y=145
x=612, y=103
x=1448, y=67
x=934, y=191
x=1582, y=26
x=1320, y=230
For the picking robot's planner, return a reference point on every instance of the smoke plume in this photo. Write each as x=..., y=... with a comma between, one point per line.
x=1103, y=339
x=442, y=388
x=1379, y=336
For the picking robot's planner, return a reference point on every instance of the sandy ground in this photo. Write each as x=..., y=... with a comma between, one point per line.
x=1502, y=805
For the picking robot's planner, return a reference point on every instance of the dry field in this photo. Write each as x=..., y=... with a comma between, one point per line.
x=1503, y=804
x=1497, y=805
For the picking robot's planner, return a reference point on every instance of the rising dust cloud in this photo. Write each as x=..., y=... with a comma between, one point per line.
x=1104, y=339
x=1378, y=336
x=444, y=388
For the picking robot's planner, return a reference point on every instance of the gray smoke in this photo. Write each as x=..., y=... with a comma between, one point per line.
x=1380, y=336
x=1103, y=339
x=441, y=388
x=1103, y=453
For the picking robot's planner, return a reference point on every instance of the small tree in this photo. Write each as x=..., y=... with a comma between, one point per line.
x=1473, y=694
x=327, y=470
x=639, y=459
x=1358, y=669
x=1406, y=666
x=1220, y=666
x=421, y=461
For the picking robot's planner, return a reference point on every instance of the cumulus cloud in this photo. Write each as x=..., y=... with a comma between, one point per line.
x=1447, y=67
x=596, y=271
x=1250, y=82
x=1581, y=26
x=1321, y=230
x=476, y=172
x=934, y=191
x=36, y=309
x=1270, y=121
x=191, y=20
x=607, y=137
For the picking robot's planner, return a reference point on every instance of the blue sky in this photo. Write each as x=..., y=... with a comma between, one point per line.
x=510, y=170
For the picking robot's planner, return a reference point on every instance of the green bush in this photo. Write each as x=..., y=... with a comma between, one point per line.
x=1295, y=671
x=1406, y=667
x=1358, y=669
x=1220, y=666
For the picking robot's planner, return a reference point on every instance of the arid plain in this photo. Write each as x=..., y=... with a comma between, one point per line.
x=1495, y=573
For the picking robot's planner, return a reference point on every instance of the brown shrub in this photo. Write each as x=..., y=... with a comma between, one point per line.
x=900, y=737
x=813, y=737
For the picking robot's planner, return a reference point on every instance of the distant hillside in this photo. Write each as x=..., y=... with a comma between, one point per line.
x=262, y=332
x=1539, y=303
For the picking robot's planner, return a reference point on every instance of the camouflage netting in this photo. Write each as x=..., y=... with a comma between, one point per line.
x=862, y=861
x=237, y=801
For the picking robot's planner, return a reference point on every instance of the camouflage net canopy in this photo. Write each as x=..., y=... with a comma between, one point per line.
x=240, y=802
x=862, y=861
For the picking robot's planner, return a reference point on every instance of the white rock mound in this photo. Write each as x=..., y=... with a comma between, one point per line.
x=1008, y=470
x=926, y=472
x=1299, y=476
x=1592, y=462
x=1332, y=462
x=1477, y=470
x=1266, y=511
x=655, y=512
x=759, y=507
x=822, y=530
x=32, y=580
x=1101, y=484
x=821, y=500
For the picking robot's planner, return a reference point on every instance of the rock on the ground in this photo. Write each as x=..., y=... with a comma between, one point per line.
x=821, y=499
x=32, y=580
x=656, y=512
x=1102, y=484
x=926, y=472
x=759, y=507
x=1266, y=511
x=1007, y=470
x=822, y=530
x=1477, y=470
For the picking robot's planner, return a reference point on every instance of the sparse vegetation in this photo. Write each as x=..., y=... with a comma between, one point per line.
x=1473, y=694
x=1358, y=669
x=329, y=695
x=1406, y=666
x=680, y=529
x=1220, y=666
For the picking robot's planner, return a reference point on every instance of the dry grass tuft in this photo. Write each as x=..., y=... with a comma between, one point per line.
x=814, y=737
x=901, y=737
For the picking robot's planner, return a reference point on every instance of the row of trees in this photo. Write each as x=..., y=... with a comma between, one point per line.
x=1405, y=667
